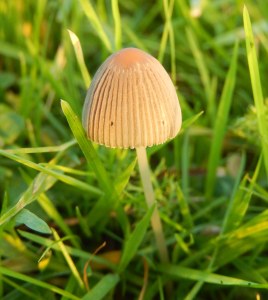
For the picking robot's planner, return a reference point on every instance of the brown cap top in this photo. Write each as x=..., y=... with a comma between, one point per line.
x=131, y=102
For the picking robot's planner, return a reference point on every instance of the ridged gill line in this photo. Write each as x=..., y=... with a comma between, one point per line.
x=105, y=104
x=143, y=95
x=136, y=134
x=125, y=108
x=124, y=122
x=131, y=82
x=134, y=105
x=113, y=119
x=95, y=103
x=154, y=107
x=107, y=122
x=147, y=109
x=118, y=121
x=160, y=100
x=89, y=97
x=167, y=118
x=171, y=99
x=97, y=117
x=106, y=110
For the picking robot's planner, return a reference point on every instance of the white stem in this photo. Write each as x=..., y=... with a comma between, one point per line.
x=150, y=199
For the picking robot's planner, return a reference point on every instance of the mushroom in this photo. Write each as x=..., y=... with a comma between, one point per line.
x=132, y=103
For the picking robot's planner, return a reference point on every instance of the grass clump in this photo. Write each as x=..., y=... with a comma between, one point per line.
x=73, y=222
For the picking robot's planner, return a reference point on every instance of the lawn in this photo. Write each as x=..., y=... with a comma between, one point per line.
x=74, y=223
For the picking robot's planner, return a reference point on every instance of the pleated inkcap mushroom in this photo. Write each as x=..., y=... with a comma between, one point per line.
x=131, y=102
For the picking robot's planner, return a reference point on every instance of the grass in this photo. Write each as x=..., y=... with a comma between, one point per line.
x=73, y=221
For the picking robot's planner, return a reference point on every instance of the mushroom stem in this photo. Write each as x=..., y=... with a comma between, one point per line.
x=150, y=199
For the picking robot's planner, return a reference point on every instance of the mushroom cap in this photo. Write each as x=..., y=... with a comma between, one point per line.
x=131, y=102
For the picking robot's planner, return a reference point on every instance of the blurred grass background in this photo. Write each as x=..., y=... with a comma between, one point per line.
x=73, y=221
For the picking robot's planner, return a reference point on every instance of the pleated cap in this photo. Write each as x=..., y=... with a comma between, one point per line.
x=131, y=102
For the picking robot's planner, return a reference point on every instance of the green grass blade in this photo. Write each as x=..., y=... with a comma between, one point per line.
x=59, y=148
x=184, y=209
x=168, y=32
x=220, y=125
x=247, y=238
x=36, y=282
x=253, y=274
x=240, y=202
x=200, y=61
x=102, y=288
x=87, y=148
x=9, y=50
x=185, y=165
x=256, y=86
x=123, y=179
x=172, y=45
x=80, y=58
x=188, y=122
x=17, y=288
x=68, y=259
x=134, y=37
x=204, y=276
x=117, y=25
x=164, y=38
x=58, y=175
x=96, y=23
x=134, y=240
x=99, y=211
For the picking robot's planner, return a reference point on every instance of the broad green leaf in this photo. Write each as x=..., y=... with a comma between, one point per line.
x=32, y=221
